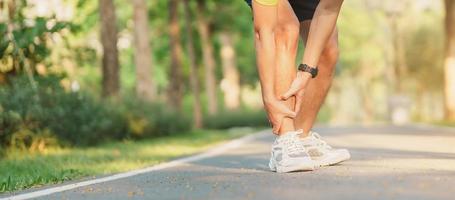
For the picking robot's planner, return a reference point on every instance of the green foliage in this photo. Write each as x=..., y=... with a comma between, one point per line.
x=239, y=118
x=72, y=117
x=362, y=44
x=27, y=41
x=152, y=120
x=424, y=51
x=52, y=116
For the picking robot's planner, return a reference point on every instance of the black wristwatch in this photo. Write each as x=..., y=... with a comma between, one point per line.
x=306, y=68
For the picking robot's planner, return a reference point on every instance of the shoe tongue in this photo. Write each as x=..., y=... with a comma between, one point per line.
x=311, y=138
x=288, y=135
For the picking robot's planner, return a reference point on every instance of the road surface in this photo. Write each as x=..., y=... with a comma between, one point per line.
x=388, y=162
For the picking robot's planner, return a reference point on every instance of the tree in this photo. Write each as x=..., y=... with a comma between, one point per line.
x=145, y=87
x=197, y=112
x=175, y=89
x=450, y=60
x=231, y=78
x=111, y=80
x=394, y=14
x=25, y=40
x=208, y=56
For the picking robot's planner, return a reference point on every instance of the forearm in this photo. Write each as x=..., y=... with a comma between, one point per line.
x=322, y=26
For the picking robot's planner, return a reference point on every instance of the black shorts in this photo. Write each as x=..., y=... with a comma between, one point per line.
x=303, y=9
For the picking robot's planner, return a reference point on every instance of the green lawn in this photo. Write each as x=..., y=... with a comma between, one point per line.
x=445, y=123
x=24, y=170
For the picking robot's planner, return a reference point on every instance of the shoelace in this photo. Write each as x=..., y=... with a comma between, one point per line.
x=293, y=145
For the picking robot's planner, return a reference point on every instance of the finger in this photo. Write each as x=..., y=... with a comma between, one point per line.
x=291, y=92
x=271, y=123
x=277, y=125
x=286, y=111
x=298, y=103
x=276, y=128
x=289, y=113
x=273, y=129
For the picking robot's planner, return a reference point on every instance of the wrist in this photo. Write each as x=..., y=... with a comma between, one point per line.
x=268, y=98
x=302, y=74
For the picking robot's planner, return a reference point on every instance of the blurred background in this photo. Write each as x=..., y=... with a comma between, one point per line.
x=76, y=72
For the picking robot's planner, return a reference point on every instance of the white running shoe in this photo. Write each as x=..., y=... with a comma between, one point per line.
x=289, y=155
x=322, y=153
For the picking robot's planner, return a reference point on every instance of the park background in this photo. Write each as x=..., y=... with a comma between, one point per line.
x=98, y=87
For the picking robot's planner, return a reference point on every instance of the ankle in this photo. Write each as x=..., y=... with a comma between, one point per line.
x=304, y=134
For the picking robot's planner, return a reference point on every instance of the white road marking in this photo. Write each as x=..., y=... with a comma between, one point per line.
x=213, y=152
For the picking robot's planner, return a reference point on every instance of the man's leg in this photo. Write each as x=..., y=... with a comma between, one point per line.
x=318, y=87
x=286, y=156
x=265, y=25
x=286, y=40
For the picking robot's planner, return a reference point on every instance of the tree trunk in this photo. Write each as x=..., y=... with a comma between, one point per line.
x=208, y=56
x=399, y=61
x=450, y=60
x=197, y=112
x=111, y=80
x=231, y=78
x=175, y=88
x=145, y=87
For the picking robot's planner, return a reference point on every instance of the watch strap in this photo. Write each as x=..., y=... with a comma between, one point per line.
x=306, y=68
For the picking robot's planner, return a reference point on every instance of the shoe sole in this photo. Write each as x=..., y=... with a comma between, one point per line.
x=332, y=160
x=296, y=168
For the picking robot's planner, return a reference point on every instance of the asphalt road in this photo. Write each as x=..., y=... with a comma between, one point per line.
x=388, y=162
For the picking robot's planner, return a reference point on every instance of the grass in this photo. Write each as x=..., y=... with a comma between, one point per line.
x=445, y=123
x=20, y=170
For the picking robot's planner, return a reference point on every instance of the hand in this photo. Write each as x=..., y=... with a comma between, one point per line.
x=297, y=89
x=276, y=112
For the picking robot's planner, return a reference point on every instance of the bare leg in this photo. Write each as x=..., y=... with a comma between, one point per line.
x=317, y=88
x=265, y=24
x=286, y=40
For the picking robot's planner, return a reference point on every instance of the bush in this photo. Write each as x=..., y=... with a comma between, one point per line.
x=153, y=120
x=49, y=115
x=240, y=118
x=72, y=117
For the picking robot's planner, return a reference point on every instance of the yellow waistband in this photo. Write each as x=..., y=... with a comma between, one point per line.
x=267, y=2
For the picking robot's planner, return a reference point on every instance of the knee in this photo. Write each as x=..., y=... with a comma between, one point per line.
x=287, y=34
x=329, y=57
x=262, y=32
